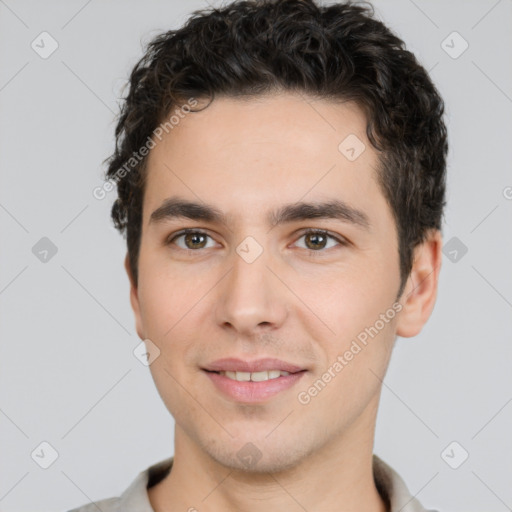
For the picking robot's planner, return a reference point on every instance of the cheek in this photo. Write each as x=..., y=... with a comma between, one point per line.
x=356, y=323
x=347, y=299
x=171, y=303
x=165, y=297
x=167, y=310
x=351, y=379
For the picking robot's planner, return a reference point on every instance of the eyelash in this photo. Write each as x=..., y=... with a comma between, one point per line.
x=341, y=241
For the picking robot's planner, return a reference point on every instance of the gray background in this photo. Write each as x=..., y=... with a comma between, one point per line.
x=68, y=374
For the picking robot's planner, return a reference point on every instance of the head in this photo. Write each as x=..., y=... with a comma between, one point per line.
x=267, y=115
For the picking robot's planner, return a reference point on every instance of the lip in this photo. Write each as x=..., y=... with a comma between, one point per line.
x=253, y=392
x=233, y=364
x=248, y=391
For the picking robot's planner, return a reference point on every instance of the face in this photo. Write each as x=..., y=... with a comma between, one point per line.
x=259, y=275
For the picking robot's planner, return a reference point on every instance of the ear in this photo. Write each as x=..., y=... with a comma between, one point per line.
x=134, y=299
x=420, y=292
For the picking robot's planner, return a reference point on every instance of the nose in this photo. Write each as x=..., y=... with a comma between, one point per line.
x=251, y=298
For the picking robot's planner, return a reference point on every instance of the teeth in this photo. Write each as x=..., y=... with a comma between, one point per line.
x=261, y=376
x=254, y=376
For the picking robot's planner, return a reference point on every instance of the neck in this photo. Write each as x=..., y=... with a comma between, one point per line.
x=337, y=477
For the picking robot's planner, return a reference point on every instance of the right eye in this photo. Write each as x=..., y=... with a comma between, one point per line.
x=193, y=239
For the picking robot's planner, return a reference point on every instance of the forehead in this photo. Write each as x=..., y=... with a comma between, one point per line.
x=242, y=154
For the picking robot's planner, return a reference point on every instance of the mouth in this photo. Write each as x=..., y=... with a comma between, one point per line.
x=266, y=364
x=253, y=381
x=253, y=376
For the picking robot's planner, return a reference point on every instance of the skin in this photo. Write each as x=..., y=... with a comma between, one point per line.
x=298, y=304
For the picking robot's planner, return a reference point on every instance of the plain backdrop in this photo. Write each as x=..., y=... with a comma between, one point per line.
x=68, y=376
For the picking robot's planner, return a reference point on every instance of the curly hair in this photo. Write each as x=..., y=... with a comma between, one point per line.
x=337, y=52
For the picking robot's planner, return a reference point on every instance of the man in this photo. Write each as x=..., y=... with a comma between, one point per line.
x=280, y=168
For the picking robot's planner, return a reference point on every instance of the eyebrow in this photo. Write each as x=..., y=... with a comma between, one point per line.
x=175, y=207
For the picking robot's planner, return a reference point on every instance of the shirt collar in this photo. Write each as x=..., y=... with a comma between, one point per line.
x=389, y=484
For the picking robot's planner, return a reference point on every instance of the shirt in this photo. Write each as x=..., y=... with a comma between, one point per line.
x=135, y=498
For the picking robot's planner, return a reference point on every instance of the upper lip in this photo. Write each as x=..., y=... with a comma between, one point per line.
x=232, y=364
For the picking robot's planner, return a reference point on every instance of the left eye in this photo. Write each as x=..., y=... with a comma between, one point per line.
x=317, y=240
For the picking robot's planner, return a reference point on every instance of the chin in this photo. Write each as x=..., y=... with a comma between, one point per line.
x=256, y=457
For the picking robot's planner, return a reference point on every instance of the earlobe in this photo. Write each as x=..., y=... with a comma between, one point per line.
x=134, y=299
x=420, y=293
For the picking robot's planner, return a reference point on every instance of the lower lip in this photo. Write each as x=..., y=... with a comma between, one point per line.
x=251, y=392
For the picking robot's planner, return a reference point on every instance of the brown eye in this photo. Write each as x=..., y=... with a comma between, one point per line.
x=192, y=240
x=317, y=240
x=195, y=240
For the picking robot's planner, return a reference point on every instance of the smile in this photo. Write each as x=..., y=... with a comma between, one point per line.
x=253, y=387
x=254, y=376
